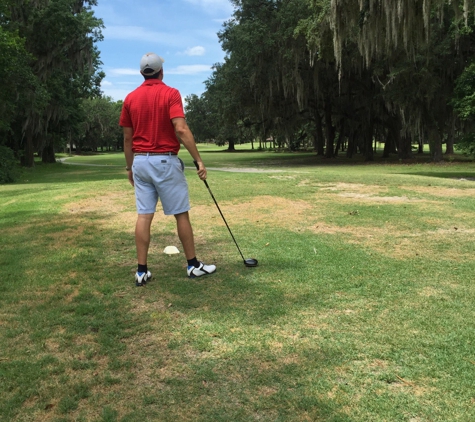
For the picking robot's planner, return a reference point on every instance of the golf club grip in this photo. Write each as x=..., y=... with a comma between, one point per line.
x=197, y=168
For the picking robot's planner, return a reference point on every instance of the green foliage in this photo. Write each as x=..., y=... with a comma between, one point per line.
x=263, y=85
x=50, y=62
x=15, y=76
x=8, y=165
x=466, y=144
x=200, y=118
x=464, y=99
x=99, y=124
x=343, y=72
x=464, y=104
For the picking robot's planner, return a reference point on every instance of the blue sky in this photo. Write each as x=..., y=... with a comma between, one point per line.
x=183, y=32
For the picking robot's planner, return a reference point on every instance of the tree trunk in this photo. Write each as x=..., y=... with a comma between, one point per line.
x=330, y=129
x=405, y=147
x=449, y=150
x=28, y=160
x=393, y=137
x=319, y=137
x=70, y=142
x=351, y=144
x=420, y=146
x=47, y=155
x=368, y=141
x=339, y=141
x=231, y=145
x=450, y=139
x=390, y=144
x=435, y=144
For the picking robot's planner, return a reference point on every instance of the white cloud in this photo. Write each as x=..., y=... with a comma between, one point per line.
x=191, y=69
x=213, y=5
x=195, y=51
x=106, y=83
x=129, y=32
x=122, y=72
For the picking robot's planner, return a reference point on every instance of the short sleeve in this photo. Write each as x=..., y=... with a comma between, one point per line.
x=176, y=105
x=125, y=120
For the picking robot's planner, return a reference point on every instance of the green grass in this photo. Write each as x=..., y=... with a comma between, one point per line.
x=361, y=308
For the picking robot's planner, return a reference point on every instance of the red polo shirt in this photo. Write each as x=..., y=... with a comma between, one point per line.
x=149, y=110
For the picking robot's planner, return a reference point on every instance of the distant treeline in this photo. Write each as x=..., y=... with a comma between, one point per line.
x=341, y=75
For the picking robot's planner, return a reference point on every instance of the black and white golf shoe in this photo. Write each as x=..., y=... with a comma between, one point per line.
x=203, y=269
x=142, y=278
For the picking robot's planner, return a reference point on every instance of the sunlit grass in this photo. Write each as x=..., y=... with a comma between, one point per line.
x=361, y=308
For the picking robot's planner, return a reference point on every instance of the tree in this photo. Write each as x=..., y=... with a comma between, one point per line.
x=345, y=74
x=415, y=51
x=60, y=37
x=200, y=118
x=267, y=68
x=15, y=74
x=99, y=124
x=464, y=104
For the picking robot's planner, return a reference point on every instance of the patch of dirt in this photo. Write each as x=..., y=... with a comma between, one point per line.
x=282, y=177
x=442, y=192
x=140, y=305
x=429, y=291
x=359, y=192
x=118, y=209
x=70, y=297
x=106, y=201
x=373, y=198
x=353, y=188
x=262, y=210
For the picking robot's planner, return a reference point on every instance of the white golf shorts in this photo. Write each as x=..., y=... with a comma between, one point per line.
x=160, y=177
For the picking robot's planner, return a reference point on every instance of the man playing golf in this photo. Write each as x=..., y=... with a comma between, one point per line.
x=154, y=123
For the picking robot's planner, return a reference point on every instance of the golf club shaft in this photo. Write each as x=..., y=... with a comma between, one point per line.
x=222, y=216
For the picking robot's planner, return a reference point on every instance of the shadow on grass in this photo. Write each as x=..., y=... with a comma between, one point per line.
x=465, y=175
x=65, y=173
x=73, y=321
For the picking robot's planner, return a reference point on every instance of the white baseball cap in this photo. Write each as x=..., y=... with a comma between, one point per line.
x=151, y=64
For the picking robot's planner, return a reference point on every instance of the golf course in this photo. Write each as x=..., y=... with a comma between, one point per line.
x=361, y=307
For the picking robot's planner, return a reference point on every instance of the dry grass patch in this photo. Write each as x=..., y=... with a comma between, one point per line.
x=372, y=198
x=140, y=304
x=442, y=192
x=430, y=291
x=71, y=296
x=424, y=245
x=113, y=205
x=394, y=242
x=262, y=210
x=66, y=237
x=293, y=215
x=356, y=188
x=102, y=203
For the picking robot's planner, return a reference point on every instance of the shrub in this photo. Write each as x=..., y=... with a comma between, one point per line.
x=467, y=145
x=8, y=165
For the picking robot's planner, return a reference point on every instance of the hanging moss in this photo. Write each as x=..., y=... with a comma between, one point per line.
x=385, y=25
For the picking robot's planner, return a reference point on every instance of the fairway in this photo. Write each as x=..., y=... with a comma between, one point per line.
x=361, y=308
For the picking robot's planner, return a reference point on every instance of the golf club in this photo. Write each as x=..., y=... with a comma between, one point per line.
x=249, y=262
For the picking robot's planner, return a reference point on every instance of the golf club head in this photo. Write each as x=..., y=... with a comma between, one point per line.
x=250, y=262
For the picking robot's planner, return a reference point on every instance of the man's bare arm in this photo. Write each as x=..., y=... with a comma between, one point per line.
x=183, y=132
x=129, y=155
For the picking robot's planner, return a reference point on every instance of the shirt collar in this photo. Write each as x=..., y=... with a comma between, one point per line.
x=152, y=82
